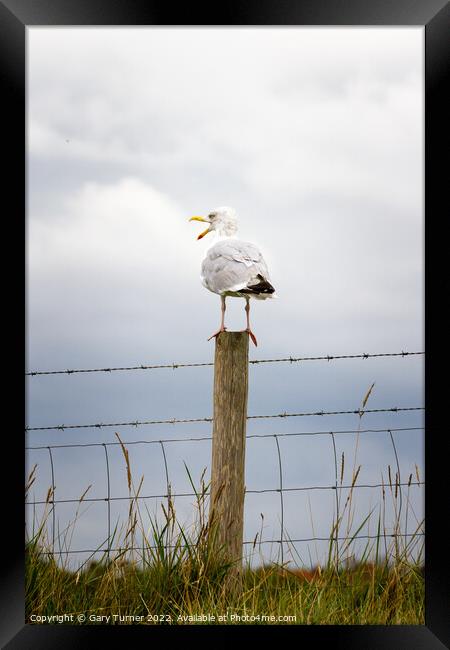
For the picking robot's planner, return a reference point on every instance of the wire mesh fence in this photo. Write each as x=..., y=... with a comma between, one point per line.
x=337, y=487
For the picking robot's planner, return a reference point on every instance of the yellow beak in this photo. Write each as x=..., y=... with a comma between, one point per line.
x=205, y=232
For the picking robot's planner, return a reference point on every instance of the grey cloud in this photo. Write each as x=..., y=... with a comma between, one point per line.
x=321, y=156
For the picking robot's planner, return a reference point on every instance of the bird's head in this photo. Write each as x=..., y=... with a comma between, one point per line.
x=222, y=220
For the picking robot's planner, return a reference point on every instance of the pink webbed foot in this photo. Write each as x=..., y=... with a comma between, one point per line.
x=222, y=329
x=252, y=336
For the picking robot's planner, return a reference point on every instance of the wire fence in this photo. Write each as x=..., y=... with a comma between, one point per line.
x=281, y=489
x=174, y=366
x=136, y=423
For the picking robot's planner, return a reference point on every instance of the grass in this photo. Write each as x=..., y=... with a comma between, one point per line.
x=152, y=595
x=177, y=576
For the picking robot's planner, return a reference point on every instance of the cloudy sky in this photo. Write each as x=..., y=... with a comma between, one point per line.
x=315, y=137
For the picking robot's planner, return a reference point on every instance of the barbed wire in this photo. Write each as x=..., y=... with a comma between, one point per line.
x=175, y=366
x=136, y=423
x=281, y=489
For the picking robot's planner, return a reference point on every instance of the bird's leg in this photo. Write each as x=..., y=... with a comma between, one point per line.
x=247, y=310
x=222, y=322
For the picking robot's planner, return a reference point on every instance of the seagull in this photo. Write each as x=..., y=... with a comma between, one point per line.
x=233, y=267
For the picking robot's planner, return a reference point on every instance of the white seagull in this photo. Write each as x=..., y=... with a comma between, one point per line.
x=233, y=267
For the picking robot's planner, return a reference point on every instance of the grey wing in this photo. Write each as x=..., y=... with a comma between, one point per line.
x=233, y=265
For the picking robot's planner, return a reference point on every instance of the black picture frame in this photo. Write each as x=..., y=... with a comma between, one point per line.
x=434, y=16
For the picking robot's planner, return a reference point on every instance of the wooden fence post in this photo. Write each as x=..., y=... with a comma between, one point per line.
x=226, y=515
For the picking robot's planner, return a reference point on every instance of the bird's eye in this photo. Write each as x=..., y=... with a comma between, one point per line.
x=211, y=215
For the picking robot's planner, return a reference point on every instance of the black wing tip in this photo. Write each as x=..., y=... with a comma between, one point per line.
x=263, y=286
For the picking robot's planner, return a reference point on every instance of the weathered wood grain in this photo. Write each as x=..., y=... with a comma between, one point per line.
x=228, y=445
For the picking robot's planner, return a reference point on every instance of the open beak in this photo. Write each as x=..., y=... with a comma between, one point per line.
x=205, y=232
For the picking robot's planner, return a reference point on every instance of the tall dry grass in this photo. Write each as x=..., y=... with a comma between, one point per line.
x=165, y=573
